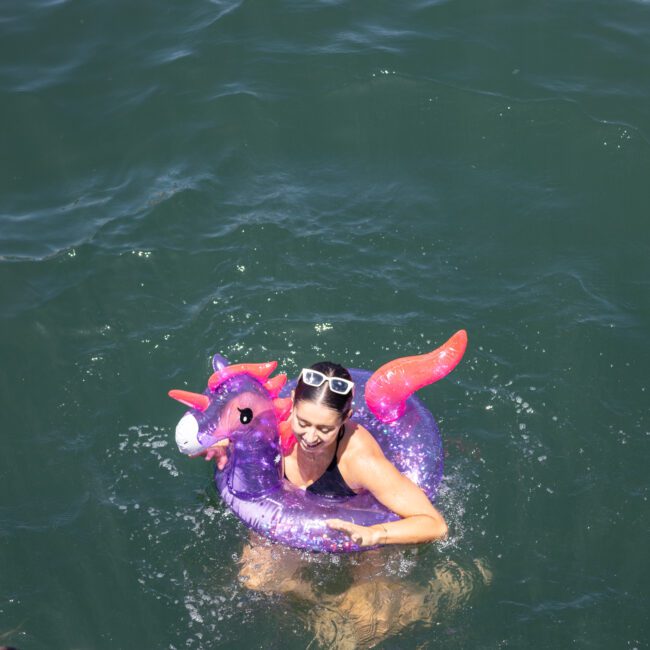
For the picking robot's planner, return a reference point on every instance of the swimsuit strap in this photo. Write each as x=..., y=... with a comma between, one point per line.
x=339, y=437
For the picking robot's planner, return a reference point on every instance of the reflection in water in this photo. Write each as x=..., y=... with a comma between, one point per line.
x=374, y=606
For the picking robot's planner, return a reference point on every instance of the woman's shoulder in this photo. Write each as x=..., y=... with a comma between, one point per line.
x=358, y=442
x=359, y=452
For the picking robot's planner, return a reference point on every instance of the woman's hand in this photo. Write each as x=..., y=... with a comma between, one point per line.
x=218, y=452
x=360, y=535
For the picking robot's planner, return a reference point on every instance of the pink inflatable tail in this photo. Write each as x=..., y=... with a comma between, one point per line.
x=390, y=386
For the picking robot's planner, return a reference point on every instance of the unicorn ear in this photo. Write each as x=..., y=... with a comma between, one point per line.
x=219, y=362
x=259, y=371
x=275, y=385
x=282, y=407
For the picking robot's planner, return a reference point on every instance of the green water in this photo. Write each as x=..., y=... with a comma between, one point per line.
x=299, y=180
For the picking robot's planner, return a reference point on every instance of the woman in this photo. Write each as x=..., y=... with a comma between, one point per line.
x=334, y=456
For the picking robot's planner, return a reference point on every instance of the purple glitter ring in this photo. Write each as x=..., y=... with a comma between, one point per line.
x=240, y=407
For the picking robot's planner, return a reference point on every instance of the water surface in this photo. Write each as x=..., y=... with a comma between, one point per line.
x=299, y=180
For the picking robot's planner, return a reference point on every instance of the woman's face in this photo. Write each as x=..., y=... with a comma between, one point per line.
x=314, y=425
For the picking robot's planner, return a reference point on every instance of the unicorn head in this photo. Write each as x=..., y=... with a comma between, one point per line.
x=237, y=399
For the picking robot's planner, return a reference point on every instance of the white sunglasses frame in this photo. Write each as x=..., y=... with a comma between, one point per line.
x=329, y=380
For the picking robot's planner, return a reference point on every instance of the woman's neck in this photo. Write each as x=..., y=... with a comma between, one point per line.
x=315, y=458
x=308, y=467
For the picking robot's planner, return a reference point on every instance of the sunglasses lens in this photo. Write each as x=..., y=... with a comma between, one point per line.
x=339, y=386
x=312, y=378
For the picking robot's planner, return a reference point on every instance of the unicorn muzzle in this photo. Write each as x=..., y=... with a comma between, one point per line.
x=187, y=431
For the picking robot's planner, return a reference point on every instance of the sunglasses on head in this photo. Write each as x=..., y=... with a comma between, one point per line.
x=316, y=378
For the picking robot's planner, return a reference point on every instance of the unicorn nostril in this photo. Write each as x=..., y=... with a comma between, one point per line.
x=186, y=434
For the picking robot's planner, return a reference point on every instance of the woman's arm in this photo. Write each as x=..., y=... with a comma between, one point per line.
x=217, y=451
x=367, y=467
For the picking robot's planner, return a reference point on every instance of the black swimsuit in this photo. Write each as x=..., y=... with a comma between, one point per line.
x=331, y=483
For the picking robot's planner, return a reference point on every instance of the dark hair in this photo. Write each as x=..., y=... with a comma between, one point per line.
x=322, y=394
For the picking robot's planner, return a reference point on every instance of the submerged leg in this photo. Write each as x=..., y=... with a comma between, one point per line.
x=367, y=613
x=453, y=585
x=370, y=611
x=271, y=568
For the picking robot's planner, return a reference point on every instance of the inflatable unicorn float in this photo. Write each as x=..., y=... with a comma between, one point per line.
x=244, y=405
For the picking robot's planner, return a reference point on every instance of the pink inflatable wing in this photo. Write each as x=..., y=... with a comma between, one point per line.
x=390, y=386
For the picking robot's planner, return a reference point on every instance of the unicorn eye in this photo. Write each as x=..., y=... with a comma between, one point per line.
x=245, y=415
